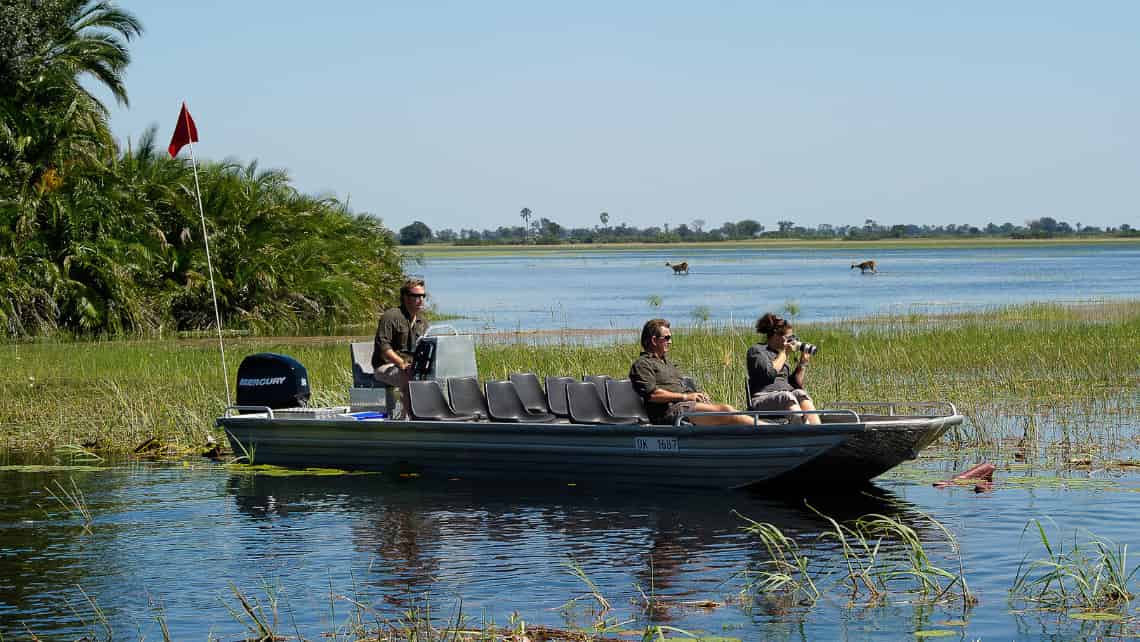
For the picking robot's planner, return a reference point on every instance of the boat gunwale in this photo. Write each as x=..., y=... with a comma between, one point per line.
x=651, y=430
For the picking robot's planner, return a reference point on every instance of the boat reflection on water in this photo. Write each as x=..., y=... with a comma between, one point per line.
x=505, y=546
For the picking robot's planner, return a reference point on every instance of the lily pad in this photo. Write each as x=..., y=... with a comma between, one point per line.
x=953, y=623
x=934, y=633
x=1100, y=617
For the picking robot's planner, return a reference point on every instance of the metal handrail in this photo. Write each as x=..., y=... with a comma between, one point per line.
x=428, y=331
x=265, y=409
x=891, y=406
x=756, y=414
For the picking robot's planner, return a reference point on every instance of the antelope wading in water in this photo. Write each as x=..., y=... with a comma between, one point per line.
x=679, y=268
x=864, y=266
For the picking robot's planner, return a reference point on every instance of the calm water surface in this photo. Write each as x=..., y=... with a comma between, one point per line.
x=170, y=541
x=613, y=289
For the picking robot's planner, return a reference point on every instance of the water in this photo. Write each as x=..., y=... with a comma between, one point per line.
x=173, y=542
x=617, y=289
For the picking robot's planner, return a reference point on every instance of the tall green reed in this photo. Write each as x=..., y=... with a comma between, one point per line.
x=881, y=555
x=1091, y=575
x=1042, y=362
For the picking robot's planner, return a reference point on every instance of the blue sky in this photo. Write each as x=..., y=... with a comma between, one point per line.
x=460, y=114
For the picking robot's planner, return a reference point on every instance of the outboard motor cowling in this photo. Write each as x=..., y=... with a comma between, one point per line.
x=274, y=380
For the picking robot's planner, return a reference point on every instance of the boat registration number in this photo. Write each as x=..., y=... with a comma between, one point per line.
x=656, y=444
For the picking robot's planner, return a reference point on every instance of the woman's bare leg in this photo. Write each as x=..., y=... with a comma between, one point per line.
x=813, y=418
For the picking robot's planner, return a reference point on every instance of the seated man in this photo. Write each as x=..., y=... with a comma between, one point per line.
x=658, y=381
x=396, y=336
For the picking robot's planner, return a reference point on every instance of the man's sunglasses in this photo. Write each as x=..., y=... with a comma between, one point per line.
x=667, y=338
x=416, y=296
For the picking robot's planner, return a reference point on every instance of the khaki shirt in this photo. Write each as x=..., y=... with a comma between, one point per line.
x=396, y=331
x=650, y=372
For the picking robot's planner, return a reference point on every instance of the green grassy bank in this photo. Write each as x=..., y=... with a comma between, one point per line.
x=1037, y=361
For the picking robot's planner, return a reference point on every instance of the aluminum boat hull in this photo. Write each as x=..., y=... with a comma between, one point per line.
x=883, y=444
x=674, y=456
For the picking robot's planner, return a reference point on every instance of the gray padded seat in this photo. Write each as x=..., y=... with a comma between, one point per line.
x=505, y=404
x=362, y=374
x=586, y=405
x=600, y=382
x=556, y=395
x=624, y=400
x=362, y=365
x=689, y=385
x=427, y=403
x=466, y=397
x=530, y=391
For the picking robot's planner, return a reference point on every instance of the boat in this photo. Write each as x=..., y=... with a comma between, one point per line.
x=846, y=449
x=888, y=438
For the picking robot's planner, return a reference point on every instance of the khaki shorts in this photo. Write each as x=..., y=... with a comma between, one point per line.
x=777, y=400
x=390, y=375
x=675, y=409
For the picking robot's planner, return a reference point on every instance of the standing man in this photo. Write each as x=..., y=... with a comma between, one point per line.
x=396, y=336
x=658, y=381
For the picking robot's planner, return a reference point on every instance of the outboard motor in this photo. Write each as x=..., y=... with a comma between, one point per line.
x=274, y=380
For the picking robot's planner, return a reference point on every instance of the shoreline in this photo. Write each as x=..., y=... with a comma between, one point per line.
x=445, y=250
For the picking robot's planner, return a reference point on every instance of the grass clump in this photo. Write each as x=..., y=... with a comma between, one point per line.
x=882, y=556
x=1090, y=576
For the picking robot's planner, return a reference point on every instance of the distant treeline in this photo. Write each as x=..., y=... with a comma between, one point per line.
x=101, y=240
x=544, y=231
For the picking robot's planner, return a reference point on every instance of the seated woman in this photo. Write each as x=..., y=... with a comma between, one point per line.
x=772, y=382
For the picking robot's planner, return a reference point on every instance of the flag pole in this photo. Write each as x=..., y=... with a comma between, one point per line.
x=209, y=262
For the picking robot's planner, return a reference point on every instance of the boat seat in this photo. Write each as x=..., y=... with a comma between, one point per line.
x=362, y=375
x=600, y=382
x=362, y=365
x=556, y=395
x=427, y=403
x=530, y=391
x=586, y=405
x=466, y=397
x=624, y=400
x=689, y=384
x=505, y=404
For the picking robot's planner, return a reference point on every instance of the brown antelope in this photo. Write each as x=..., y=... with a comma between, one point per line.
x=864, y=266
x=679, y=268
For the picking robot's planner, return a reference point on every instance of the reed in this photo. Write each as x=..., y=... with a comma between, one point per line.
x=786, y=573
x=1043, y=373
x=881, y=556
x=74, y=502
x=1091, y=575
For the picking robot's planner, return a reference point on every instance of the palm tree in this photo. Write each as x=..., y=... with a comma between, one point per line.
x=93, y=42
x=525, y=214
x=98, y=240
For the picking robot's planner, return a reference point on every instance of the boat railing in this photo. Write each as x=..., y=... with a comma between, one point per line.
x=891, y=407
x=266, y=410
x=782, y=414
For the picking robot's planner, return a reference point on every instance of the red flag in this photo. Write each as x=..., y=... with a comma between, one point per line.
x=184, y=132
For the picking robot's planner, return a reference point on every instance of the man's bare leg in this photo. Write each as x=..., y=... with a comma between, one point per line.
x=721, y=420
